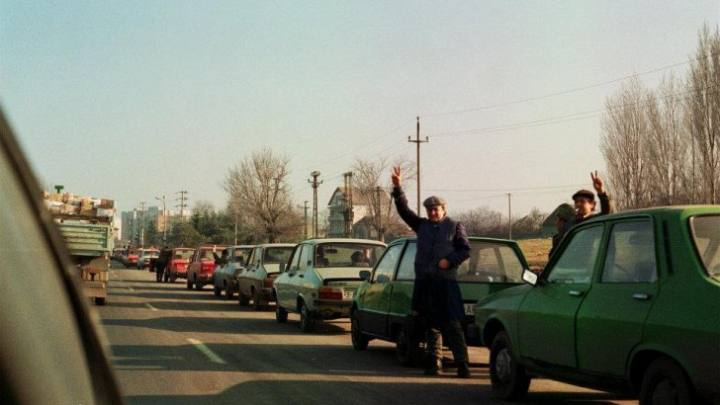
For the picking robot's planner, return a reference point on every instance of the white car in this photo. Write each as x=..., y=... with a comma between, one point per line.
x=321, y=278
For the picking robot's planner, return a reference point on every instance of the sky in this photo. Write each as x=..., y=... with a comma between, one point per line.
x=133, y=100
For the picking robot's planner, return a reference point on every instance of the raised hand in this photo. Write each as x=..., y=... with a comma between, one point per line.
x=396, y=176
x=597, y=182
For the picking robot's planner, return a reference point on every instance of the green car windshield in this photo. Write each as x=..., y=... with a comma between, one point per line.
x=706, y=236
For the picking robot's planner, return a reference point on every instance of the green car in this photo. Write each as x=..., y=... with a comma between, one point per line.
x=381, y=306
x=630, y=301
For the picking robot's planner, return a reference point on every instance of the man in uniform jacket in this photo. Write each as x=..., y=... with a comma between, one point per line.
x=442, y=246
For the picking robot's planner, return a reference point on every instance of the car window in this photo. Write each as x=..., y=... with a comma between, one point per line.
x=305, y=258
x=577, y=260
x=630, y=256
x=406, y=270
x=491, y=262
x=295, y=260
x=340, y=254
x=277, y=255
x=706, y=236
x=239, y=255
x=383, y=272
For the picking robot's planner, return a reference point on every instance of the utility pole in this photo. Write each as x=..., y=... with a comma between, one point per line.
x=305, y=207
x=315, y=183
x=509, y=216
x=417, y=142
x=349, y=211
x=378, y=212
x=164, y=219
x=142, y=224
x=183, y=204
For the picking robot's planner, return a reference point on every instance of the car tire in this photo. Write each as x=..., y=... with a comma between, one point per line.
x=307, y=323
x=173, y=277
x=217, y=290
x=100, y=301
x=198, y=285
x=359, y=340
x=407, y=348
x=242, y=299
x=508, y=378
x=166, y=276
x=665, y=382
x=189, y=284
x=281, y=314
x=229, y=293
x=257, y=300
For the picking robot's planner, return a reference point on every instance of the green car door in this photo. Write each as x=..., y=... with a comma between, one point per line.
x=615, y=309
x=546, y=317
x=376, y=295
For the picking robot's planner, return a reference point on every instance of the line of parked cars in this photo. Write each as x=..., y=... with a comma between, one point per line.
x=629, y=302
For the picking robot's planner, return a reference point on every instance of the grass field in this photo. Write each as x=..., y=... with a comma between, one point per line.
x=536, y=252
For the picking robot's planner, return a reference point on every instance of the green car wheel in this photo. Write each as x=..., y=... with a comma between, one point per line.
x=509, y=381
x=359, y=341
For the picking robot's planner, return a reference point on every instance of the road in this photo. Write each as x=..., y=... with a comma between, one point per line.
x=170, y=345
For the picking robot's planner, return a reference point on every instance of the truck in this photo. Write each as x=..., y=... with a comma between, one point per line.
x=86, y=225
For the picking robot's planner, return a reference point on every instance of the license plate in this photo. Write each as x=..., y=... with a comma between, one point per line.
x=348, y=295
x=469, y=309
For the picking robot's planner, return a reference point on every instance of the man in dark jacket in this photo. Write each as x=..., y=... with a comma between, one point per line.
x=161, y=262
x=442, y=246
x=585, y=202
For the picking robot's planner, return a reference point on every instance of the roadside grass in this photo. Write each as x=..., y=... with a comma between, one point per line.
x=536, y=252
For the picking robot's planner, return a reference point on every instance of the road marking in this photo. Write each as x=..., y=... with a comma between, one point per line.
x=151, y=307
x=206, y=351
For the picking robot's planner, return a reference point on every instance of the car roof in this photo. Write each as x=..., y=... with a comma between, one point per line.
x=343, y=240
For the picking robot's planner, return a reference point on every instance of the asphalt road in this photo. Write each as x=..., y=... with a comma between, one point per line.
x=170, y=345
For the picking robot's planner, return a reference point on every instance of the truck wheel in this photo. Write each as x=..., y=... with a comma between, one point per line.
x=198, y=285
x=665, y=382
x=307, y=324
x=228, y=292
x=189, y=284
x=100, y=301
x=508, y=378
x=281, y=315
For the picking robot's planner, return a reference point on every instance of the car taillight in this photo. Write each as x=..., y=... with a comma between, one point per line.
x=208, y=267
x=330, y=293
x=268, y=283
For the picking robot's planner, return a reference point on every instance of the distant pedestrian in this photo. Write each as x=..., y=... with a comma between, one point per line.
x=442, y=246
x=565, y=213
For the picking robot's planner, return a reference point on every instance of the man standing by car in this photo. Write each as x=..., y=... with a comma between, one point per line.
x=162, y=262
x=442, y=246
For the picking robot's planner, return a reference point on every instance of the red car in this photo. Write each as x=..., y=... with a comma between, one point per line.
x=132, y=258
x=178, y=264
x=202, y=266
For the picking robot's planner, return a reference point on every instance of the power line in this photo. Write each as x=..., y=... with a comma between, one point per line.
x=487, y=107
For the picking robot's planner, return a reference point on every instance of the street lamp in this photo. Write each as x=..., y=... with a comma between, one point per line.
x=164, y=219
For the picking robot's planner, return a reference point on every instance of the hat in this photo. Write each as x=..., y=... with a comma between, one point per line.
x=434, y=201
x=584, y=193
x=565, y=212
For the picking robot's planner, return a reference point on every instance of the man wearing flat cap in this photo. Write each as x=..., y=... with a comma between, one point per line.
x=442, y=246
x=585, y=202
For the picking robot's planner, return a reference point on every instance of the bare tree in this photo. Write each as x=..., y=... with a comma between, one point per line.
x=482, y=221
x=371, y=181
x=667, y=150
x=259, y=193
x=703, y=117
x=623, y=144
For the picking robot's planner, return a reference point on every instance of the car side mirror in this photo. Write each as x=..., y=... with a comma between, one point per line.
x=530, y=277
x=282, y=267
x=365, y=275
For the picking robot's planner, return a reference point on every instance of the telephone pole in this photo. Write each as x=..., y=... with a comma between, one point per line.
x=183, y=198
x=349, y=212
x=417, y=142
x=305, y=207
x=315, y=183
x=509, y=216
x=142, y=224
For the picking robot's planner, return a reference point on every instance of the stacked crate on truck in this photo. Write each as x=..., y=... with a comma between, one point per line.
x=86, y=225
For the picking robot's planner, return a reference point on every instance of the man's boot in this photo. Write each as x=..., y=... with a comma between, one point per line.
x=463, y=371
x=434, y=366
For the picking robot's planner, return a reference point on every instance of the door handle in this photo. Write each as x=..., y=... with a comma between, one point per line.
x=575, y=293
x=641, y=297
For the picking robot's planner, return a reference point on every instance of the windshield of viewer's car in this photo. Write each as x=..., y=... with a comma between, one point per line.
x=706, y=235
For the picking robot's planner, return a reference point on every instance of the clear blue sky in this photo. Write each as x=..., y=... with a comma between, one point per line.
x=137, y=99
